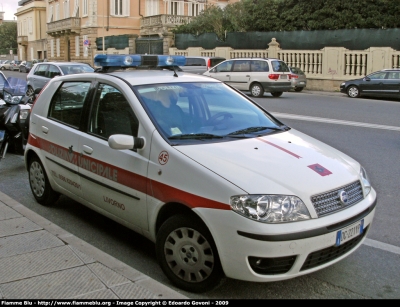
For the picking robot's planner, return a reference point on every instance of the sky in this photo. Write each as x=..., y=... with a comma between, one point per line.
x=10, y=8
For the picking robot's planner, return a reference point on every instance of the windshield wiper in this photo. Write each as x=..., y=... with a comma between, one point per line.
x=252, y=130
x=195, y=136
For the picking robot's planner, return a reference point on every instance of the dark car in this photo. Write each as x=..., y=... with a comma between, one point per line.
x=382, y=83
x=25, y=66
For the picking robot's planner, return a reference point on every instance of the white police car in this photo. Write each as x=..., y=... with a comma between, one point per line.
x=220, y=185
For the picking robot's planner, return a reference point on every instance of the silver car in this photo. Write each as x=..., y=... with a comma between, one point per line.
x=200, y=64
x=299, y=79
x=41, y=73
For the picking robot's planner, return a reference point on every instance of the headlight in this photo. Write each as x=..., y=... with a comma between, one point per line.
x=23, y=114
x=270, y=208
x=10, y=99
x=342, y=84
x=365, y=181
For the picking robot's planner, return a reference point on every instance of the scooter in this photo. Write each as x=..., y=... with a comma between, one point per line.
x=15, y=108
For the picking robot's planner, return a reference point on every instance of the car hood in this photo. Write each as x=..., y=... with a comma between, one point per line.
x=289, y=163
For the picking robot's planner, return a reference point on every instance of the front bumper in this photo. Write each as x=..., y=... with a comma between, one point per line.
x=299, y=246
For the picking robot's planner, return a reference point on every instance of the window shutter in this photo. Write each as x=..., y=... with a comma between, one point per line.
x=76, y=8
x=180, y=8
x=51, y=14
x=112, y=8
x=30, y=25
x=57, y=17
x=126, y=8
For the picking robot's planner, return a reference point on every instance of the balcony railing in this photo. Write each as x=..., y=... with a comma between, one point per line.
x=164, y=20
x=22, y=40
x=72, y=24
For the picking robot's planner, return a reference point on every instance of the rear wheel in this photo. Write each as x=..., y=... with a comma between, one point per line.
x=298, y=89
x=187, y=254
x=353, y=91
x=257, y=90
x=277, y=94
x=40, y=185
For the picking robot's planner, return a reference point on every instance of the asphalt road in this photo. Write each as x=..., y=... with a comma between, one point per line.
x=362, y=128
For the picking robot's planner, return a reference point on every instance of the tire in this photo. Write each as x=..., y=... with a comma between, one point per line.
x=257, y=90
x=298, y=89
x=30, y=92
x=353, y=91
x=187, y=254
x=277, y=94
x=39, y=183
x=3, y=68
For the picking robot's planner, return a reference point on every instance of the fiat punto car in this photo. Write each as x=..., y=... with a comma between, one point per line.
x=221, y=186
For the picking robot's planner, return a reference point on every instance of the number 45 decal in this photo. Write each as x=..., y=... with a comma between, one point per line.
x=163, y=157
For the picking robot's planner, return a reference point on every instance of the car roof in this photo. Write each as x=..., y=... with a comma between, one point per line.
x=204, y=57
x=61, y=63
x=144, y=77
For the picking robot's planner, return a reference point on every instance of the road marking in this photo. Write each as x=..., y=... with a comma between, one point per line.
x=384, y=246
x=334, y=121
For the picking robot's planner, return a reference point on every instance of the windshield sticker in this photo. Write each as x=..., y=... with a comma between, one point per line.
x=163, y=157
x=319, y=169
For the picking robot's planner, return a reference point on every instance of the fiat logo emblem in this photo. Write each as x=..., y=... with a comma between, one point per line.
x=344, y=198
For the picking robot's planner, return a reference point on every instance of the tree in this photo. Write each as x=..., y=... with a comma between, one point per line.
x=8, y=36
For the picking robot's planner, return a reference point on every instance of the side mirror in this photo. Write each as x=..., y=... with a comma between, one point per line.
x=367, y=79
x=123, y=141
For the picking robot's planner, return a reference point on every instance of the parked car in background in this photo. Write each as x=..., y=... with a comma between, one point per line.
x=15, y=65
x=256, y=75
x=299, y=79
x=382, y=83
x=41, y=73
x=5, y=65
x=200, y=64
x=25, y=66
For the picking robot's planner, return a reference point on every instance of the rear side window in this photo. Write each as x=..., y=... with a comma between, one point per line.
x=195, y=62
x=279, y=66
x=67, y=103
x=296, y=70
x=259, y=66
x=41, y=70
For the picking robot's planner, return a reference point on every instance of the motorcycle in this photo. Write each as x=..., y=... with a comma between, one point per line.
x=15, y=108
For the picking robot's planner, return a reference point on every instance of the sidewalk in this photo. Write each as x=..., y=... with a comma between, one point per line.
x=39, y=260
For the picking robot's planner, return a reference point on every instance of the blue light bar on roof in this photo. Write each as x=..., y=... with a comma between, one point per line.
x=136, y=60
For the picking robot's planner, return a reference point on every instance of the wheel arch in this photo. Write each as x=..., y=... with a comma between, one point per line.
x=171, y=209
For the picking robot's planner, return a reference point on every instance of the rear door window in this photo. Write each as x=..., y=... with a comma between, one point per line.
x=241, y=66
x=224, y=67
x=67, y=103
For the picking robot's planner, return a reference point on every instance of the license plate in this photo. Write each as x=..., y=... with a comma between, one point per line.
x=301, y=83
x=348, y=233
x=283, y=76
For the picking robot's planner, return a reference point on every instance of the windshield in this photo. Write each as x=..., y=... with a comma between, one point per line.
x=204, y=111
x=15, y=86
x=75, y=69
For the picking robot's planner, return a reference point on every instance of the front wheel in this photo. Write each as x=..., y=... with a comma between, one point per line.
x=277, y=94
x=40, y=185
x=187, y=254
x=353, y=91
x=30, y=92
x=3, y=68
x=257, y=90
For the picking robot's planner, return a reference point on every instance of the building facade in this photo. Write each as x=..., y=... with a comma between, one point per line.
x=76, y=30
x=31, y=27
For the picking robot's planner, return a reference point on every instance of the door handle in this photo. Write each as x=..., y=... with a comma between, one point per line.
x=45, y=130
x=87, y=149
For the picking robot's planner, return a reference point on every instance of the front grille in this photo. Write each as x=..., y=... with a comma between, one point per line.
x=329, y=202
x=328, y=254
x=271, y=266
